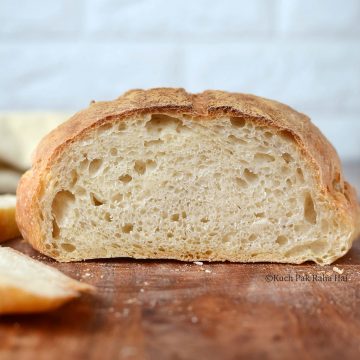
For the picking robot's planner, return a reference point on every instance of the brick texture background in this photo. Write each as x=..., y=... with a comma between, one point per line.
x=306, y=53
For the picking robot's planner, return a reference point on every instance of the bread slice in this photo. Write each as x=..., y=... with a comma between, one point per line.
x=8, y=227
x=163, y=174
x=28, y=286
x=20, y=132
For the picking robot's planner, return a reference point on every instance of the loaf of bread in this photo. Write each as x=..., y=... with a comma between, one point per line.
x=28, y=286
x=8, y=227
x=164, y=174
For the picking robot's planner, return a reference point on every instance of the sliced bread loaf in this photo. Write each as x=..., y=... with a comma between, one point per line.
x=166, y=174
x=28, y=286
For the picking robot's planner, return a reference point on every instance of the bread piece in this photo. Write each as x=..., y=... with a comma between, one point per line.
x=21, y=132
x=8, y=226
x=164, y=174
x=28, y=286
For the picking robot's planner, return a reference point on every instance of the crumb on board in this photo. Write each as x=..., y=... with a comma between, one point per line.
x=208, y=271
x=194, y=320
x=200, y=263
x=337, y=270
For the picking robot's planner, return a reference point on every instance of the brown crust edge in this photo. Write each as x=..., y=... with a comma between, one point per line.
x=321, y=154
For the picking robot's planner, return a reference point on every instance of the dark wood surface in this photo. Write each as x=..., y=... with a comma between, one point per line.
x=172, y=310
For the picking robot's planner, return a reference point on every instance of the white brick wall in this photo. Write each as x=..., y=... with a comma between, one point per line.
x=320, y=18
x=61, y=54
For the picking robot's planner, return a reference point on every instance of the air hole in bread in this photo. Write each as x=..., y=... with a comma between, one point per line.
x=297, y=250
x=241, y=182
x=117, y=197
x=238, y=121
x=104, y=128
x=74, y=178
x=95, y=167
x=175, y=217
x=226, y=238
x=122, y=126
x=151, y=164
x=152, y=142
x=95, y=200
x=140, y=167
x=160, y=122
x=107, y=217
x=84, y=165
x=281, y=240
x=170, y=235
x=204, y=220
x=252, y=237
x=300, y=175
x=263, y=158
x=309, y=209
x=54, y=253
x=287, y=136
x=127, y=228
x=260, y=215
x=125, y=178
x=55, y=229
x=250, y=176
x=287, y=157
x=68, y=247
x=183, y=215
x=62, y=206
x=113, y=151
x=237, y=140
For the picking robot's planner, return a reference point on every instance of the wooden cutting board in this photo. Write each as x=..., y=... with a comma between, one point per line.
x=174, y=310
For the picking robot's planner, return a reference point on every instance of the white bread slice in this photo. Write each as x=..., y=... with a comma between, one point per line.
x=211, y=177
x=8, y=227
x=28, y=286
x=20, y=132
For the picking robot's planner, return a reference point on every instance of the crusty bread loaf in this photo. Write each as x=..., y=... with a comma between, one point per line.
x=8, y=226
x=28, y=286
x=166, y=174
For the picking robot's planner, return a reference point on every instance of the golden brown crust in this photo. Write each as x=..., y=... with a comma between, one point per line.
x=322, y=156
